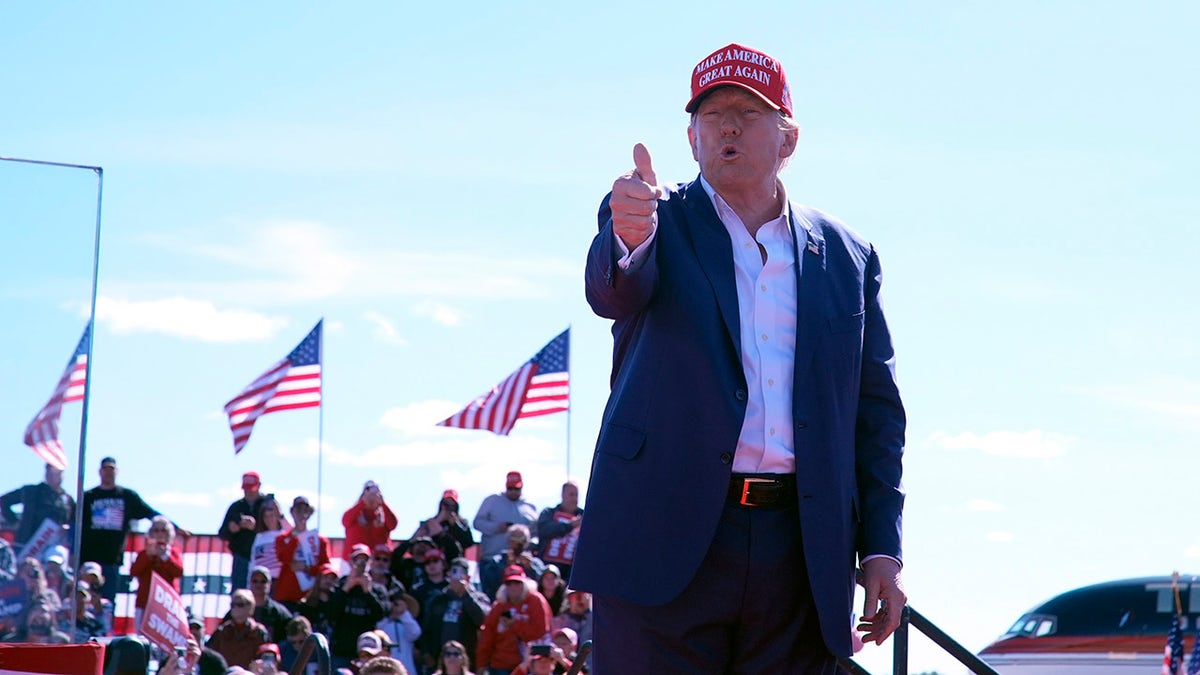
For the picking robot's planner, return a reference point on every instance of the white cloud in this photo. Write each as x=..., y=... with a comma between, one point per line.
x=439, y=312
x=1175, y=398
x=1033, y=444
x=185, y=318
x=420, y=418
x=384, y=329
x=984, y=505
x=1001, y=537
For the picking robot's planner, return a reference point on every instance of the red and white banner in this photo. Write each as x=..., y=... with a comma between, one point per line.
x=165, y=622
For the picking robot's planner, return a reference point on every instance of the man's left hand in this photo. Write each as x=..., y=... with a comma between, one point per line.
x=885, y=599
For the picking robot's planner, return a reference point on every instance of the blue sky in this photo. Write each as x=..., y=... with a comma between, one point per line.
x=426, y=179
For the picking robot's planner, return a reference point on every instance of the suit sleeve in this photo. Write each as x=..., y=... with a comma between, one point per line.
x=879, y=433
x=614, y=293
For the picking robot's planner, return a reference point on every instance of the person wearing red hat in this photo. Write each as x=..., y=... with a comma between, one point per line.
x=357, y=604
x=754, y=415
x=370, y=520
x=448, y=529
x=496, y=514
x=238, y=528
x=519, y=616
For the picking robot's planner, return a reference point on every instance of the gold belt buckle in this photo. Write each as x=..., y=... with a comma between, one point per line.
x=746, y=489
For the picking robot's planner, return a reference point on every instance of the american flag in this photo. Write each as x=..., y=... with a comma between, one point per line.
x=1173, y=653
x=42, y=433
x=294, y=382
x=1193, y=667
x=541, y=386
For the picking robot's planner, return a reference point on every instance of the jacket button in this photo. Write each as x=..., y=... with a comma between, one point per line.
x=726, y=458
x=801, y=425
x=740, y=394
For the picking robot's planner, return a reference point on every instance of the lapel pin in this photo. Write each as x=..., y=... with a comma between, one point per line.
x=813, y=247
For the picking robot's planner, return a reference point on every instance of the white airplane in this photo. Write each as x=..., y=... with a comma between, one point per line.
x=1114, y=628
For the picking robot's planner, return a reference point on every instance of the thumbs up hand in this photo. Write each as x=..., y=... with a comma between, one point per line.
x=634, y=200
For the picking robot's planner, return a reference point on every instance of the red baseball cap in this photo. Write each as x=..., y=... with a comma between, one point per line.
x=269, y=647
x=451, y=494
x=514, y=573
x=514, y=480
x=434, y=554
x=738, y=66
x=250, y=479
x=359, y=549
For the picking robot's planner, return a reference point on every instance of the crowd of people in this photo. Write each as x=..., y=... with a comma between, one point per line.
x=437, y=602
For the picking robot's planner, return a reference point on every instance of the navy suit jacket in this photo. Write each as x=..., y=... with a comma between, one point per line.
x=665, y=449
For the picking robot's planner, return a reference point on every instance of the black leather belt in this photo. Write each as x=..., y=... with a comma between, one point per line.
x=763, y=490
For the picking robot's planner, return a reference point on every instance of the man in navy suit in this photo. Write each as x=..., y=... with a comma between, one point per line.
x=750, y=453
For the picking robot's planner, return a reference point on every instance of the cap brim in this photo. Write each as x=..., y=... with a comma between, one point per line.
x=713, y=86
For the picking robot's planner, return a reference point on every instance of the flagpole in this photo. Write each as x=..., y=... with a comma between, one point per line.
x=77, y=539
x=321, y=424
x=569, y=406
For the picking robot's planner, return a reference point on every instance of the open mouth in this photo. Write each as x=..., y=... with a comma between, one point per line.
x=729, y=152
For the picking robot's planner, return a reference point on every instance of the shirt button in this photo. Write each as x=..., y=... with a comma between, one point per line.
x=740, y=394
x=764, y=337
x=770, y=382
x=801, y=425
x=764, y=287
x=726, y=458
x=772, y=431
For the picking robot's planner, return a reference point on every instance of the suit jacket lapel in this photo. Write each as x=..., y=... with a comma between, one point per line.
x=714, y=250
x=810, y=279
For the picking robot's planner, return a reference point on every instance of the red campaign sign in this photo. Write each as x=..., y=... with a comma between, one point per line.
x=165, y=621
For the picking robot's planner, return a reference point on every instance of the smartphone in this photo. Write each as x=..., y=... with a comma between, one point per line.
x=180, y=654
x=268, y=658
x=540, y=650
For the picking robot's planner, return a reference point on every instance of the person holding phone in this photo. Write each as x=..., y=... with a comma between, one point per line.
x=520, y=616
x=370, y=520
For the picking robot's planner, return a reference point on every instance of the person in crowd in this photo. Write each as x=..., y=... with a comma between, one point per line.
x=567, y=643
x=500, y=511
x=401, y=628
x=109, y=510
x=86, y=624
x=519, y=551
x=370, y=520
x=158, y=557
x=316, y=606
x=91, y=574
x=239, y=528
x=371, y=644
x=383, y=665
x=357, y=605
x=380, y=569
x=39, y=502
x=301, y=554
x=211, y=663
x=409, y=569
x=519, y=616
x=448, y=529
x=454, y=659
x=267, y=660
x=37, y=592
x=454, y=615
x=8, y=561
x=577, y=617
x=38, y=627
x=58, y=572
x=268, y=527
x=543, y=659
x=553, y=588
x=435, y=578
x=558, y=530
x=196, y=627
x=268, y=611
x=298, y=630
x=239, y=637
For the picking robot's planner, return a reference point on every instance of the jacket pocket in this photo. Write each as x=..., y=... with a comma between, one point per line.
x=620, y=441
x=846, y=324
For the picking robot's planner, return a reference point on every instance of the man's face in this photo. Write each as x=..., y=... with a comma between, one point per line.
x=328, y=581
x=108, y=473
x=53, y=477
x=435, y=568
x=259, y=585
x=737, y=141
x=250, y=492
x=419, y=550
x=515, y=590
x=359, y=562
x=301, y=513
x=577, y=603
x=513, y=493
x=372, y=497
x=541, y=666
x=380, y=562
x=240, y=608
x=570, y=495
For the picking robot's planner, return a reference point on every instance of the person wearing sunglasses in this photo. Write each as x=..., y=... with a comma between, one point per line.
x=239, y=637
x=454, y=660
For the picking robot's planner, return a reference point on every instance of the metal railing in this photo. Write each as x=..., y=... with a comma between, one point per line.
x=911, y=617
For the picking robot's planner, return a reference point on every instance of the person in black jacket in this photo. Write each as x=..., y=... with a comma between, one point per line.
x=359, y=604
x=45, y=500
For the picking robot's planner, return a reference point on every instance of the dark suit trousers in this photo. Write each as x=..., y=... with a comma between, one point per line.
x=749, y=609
